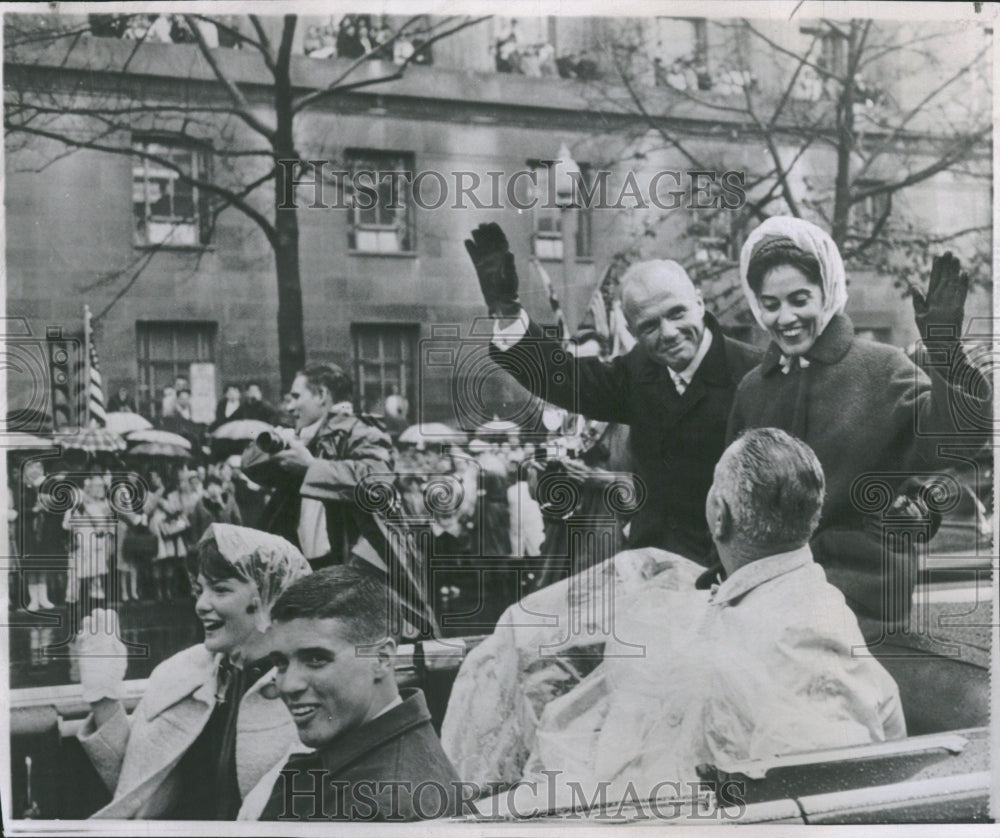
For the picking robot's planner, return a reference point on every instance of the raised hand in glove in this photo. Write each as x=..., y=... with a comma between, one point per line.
x=102, y=656
x=940, y=314
x=494, y=264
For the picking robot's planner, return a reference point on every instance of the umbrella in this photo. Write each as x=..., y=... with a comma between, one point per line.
x=122, y=422
x=92, y=440
x=160, y=449
x=156, y=435
x=499, y=426
x=241, y=429
x=433, y=432
x=25, y=442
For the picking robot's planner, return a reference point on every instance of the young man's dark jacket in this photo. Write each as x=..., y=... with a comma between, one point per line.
x=675, y=440
x=373, y=773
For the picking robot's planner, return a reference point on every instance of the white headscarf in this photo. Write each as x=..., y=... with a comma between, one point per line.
x=812, y=240
x=268, y=562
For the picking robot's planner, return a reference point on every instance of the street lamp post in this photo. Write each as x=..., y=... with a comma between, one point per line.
x=565, y=170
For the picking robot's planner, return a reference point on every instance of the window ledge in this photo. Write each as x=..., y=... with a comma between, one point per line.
x=392, y=254
x=183, y=248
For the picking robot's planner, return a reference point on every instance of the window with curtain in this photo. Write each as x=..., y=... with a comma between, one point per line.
x=167, y=208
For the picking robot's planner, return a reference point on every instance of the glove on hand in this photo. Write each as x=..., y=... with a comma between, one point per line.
x=494, y=265
x=102, y=656
x=939, y=315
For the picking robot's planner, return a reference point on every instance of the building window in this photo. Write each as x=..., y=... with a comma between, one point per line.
x=382, y=223
x=719, y=237
x=548, y=219
x=584, y=220
x=868, y=212
x=879, y=334
x=166, y=351
x=680, y=57
x=547, y=240
x=383, y=363
x=832, y=57
x=168, y=209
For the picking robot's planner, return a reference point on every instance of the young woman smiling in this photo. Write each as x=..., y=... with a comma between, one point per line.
x=863, y=407
x=208, y=727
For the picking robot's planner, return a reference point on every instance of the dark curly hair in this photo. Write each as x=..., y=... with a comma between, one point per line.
x=772, y=252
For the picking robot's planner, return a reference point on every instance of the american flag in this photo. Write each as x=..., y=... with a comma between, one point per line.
x=95, y=386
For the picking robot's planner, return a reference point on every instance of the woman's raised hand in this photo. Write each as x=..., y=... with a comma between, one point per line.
x=102, y=656
x=940, y=314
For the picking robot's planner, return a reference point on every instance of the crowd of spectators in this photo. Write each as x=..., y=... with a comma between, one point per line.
x=358, y=36
x=82, y=532
x=514, y=54
x=85, y=531
x=221, y=31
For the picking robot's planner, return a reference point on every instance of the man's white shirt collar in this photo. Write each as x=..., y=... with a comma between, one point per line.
x=744, y=579
x=683, y=378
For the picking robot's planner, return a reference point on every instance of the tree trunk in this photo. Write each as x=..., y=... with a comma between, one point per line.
x=291, y=340
x=845, y=147
x=291, y=333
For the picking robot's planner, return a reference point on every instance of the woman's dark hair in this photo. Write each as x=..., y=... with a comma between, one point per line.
x=206, y=559
x=771, y=253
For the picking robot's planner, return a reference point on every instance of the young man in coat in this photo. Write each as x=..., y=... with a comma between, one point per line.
x=674, y=388
x=377, y=757
x=332, y=451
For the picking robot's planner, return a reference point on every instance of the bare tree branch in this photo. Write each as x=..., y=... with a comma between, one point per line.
x=339, y=86
x=207, y=185
x=242, y=107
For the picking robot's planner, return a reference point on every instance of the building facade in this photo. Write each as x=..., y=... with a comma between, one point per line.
x=388, y=290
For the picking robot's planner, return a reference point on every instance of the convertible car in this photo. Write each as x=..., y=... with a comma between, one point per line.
x=940, y=773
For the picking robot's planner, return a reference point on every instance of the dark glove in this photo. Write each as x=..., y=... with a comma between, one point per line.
x=494, y=263
x=940, y=314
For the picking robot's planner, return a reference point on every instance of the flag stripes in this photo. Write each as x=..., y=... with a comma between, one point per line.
x=95, y=392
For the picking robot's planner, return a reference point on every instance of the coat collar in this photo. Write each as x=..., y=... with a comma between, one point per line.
x=196, y=675
x=353, y=744
x=714, y=367
x=753, y=575
x=829, y=348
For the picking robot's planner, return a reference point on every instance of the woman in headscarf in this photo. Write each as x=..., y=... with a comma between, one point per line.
x=863, y=407
x=208, y=726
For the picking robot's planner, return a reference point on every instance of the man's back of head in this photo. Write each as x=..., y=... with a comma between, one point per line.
x=766, y=497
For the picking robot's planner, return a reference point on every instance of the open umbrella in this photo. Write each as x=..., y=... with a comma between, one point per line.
x=241, y=429
x=499, y=426
x=432, y=432
x=160, y=449
x=123, y=422
x=25, y=442
x=92, y=440
x=156, y=435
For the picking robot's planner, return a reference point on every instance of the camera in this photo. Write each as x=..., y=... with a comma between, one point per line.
x=271, y=442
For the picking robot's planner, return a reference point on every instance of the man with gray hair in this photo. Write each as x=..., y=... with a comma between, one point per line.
x=674, y=388
x=770, y=662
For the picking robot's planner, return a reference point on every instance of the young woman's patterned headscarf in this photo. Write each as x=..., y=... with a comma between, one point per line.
x=267, y=561
x=811, y=240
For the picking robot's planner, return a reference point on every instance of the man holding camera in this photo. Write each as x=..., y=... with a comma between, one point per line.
x=331, y=452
